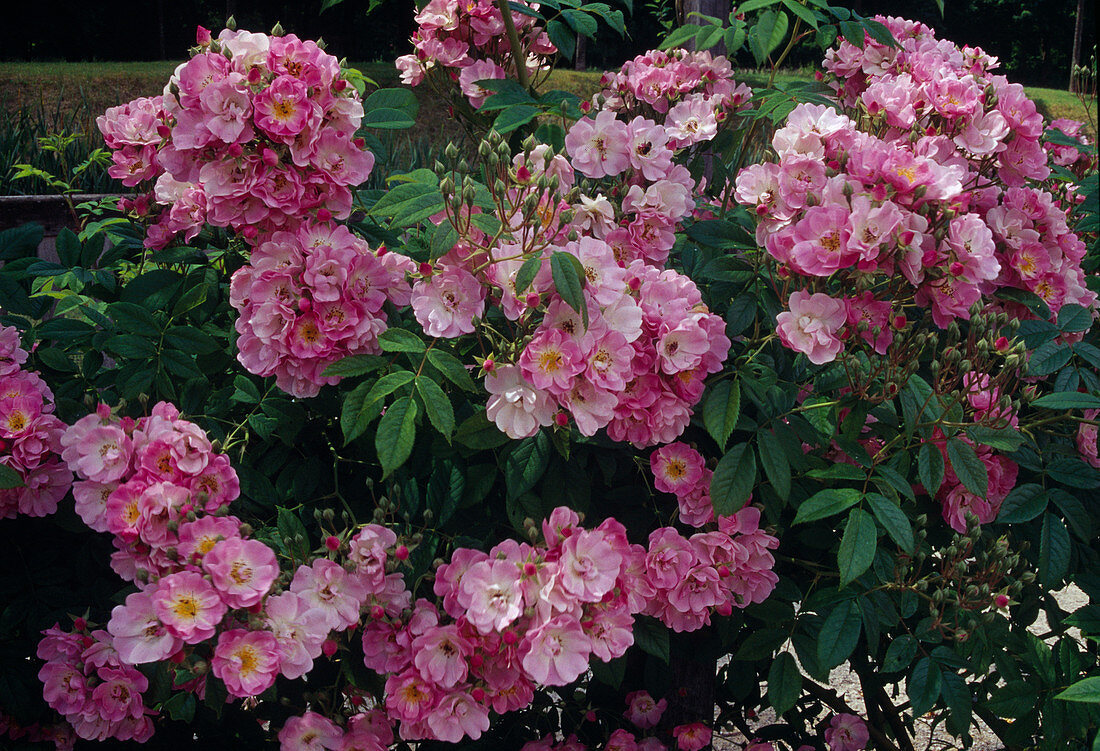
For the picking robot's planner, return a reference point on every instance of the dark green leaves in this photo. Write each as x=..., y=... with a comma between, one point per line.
x=857, y=546
x=9, y=478
x=767, y=34
x=437, y=406
x=924, y=685
x=784, y=682
x=968, y=467
x=733, y=480
x=1054, y=551
x=1023, y=503
x=396, y=432
x=839, y=634
x=721, y=409
x=893, y=520
x=568, y=275
x=930, y=467
x=824, y=503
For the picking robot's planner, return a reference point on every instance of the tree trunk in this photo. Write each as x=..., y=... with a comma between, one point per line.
x=693, y=668
x=718, y=8
x=1078, y=33
x=580, y=60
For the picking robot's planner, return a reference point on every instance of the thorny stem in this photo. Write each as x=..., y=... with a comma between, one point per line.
x=518, y=57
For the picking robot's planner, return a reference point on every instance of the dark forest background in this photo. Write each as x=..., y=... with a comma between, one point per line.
x=1033, y=38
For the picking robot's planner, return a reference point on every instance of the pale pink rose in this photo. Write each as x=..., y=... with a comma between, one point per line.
x=556, y=653
x=811, y=325
x=241, y=570
x=599, y=146
x=515, y=405
x=188, y=606
x=247, y=661
x=846, y=732
x=691, y=737
x=643, y=711
x=310, y=732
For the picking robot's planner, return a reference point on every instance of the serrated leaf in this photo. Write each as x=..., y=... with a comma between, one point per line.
x=568, y=275
x=1087, y=690
x=478, y=432
x=191, y=340
x=721, y=410
x=1074, y=318
x=526, y=463
x=354, y=365
x=1068, y=400
x=924, y=686
x=396, y=433
x=893, y=520
x=452, y=368
x=970, y=470
x=400, y=340
x=930, y=467
x=437, y=405
x=514, y=117
x=733, y=480
x=1054, y=551
x=1003, y=439
x=774, y=460
x=364, y=403
x=839, y=634
x=1048, y=358
x=784, y=683
x=651, y=636
x=1022, y=504
x=857, y=546
x=825, y=503
x=900, y=653
x=10, y=478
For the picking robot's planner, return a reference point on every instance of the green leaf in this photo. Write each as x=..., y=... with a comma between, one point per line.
x=568, y=275
x=775, y=463
x=682, y=34
x=839, y=634
x=180, y=707
x=751, y=5
x=768, y=33
x=733, y=480
x=651, y=636
x=1003, y=439
x=131, y=347
x=1087, y=690
x=853, y=32
x=893, y=520
x=56, y=359
x=478, y=432
x=1074, y=472
x=192, y=298
x=191, y=340
x=784, y=683
x=443, y=240
x=1073, y=318
x=802, y=12
x=10, y=478
x=1048, y=358
x=930, y=467
x=825, y=503
x=721, y=410
x=292, y=533
x=514, y=117
x=437, y=405
x=526, y=463
x=400, y=340
x=857, y=546
x=900, y=653
x=1013, y=700
x=354, y=365
x=609, y=673
x=180, y=364
x=1068, y=400
x=968, y=467
x=452, y=368
x=363, y=404
x=445, y=490
x=133, y=318
x=1022, y=504
x=396, y=432
x=562, y=37
x=394, y=99
x=924, y=686
x=581, y=22
x=1054, y=551
x=527, y=273
x=385, y=118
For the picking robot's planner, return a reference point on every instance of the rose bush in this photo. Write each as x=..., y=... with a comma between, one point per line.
x=612, y=428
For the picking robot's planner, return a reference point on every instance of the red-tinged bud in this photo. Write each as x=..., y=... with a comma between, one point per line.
x=530, y=569
x=202, y=36
x=250, y=232
x=762, y=209
x=381, y=250
x=377, y=612
x=270, y=157
x=178, y=657
x=357, y=701
x=254, y=76
x=750, y=714
x=900, y=320
x=164, y=131
x=834, y=165
x=723, y=608
x=586, y=106
x=401, y=553
x=723, y=570
x=476, y=661
x=4, y=444
x=478, y=694
x=80, y=624
x=323, y=214
x=634, y=283
x=451, y=112
x=1002, y=344
x=332, y=542
x=256, y=609
x=304, y=305
x=235, y=150
x=844, y=333
x=425, y=268
x=819, y=76
x=956, y=268
x=561, y=419
x=329, y=647
x=590, y=715
x=339, y=84
x=783, y=272
x=510, y=637
x=489, y=365
x=360, y=143
x=523, y=174
x=532, y=299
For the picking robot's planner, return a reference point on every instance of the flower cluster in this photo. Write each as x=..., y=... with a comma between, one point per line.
x=690, y=92
x=154, y=483
x=254, y=131
x=688, y=579
x=1079, y=158
x=30, y=436
x=88, y=683
x=465, y=42
x=310, y=297
x=680, y=470
x=892, y=218
x=367, y=731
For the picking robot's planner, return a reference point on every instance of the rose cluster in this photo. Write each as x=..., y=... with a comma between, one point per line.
x=467, y=43
x=689, y=92
x=310, y=297
x=642, y=710
x=30, y=435
x=88, y=683
x=254, y=131
x=154, y=483
x=680, y=470
x=845, y=209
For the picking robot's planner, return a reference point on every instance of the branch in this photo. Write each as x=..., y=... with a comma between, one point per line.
x=832, y=700
x=877, y=697
x=518, y=57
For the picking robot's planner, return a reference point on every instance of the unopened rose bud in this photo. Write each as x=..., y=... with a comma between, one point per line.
x=329, y=647
x=478, y=694
x=401, y=553
x=202, y=36
x=323, y=215
x=332, y=542
x=79, y=623
x=510, y=637
x=377, y=612
x=561, y=419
